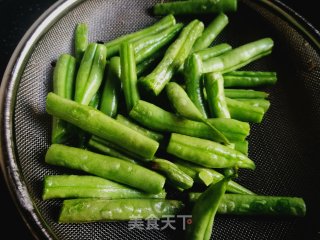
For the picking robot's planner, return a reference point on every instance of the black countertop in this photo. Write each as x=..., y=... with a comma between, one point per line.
x=16, y=16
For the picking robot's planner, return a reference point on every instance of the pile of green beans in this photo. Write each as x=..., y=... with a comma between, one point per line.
x=139, y=142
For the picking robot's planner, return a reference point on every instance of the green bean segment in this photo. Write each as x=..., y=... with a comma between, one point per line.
x=106, y=167
x=247, y=79
x=238, y=57
x=92, y=210
x=195, y=7
x=211, y=32
x=207, y=153
x=214, y=51
x=173, y=59
x=97, y=123
x=245, y=93
x=80, y=40
x=155, y=118
x=74, y=186
x=240, y=204
x=111, y=90
x=262, y=103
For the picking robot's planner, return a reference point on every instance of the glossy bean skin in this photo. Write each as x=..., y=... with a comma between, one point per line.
x=114, y=45
x=204, y=211
x=111, y=90
x=177, y=177
x=215, y=95
x=63, y=80
x=75, y=186
x=238, y=57
x=185, y=107
x=242, y=146
x=146, y=47
x=173, y=59
x=211, y=32
x=80, y=40
x=129, y=77
x=245, y=93
x=207, y=153
x=106, y=167
x=97, y=123
x=241, y=204
x=92, y=210
x=262, y=103
x=214, y=51
x=155, y=118
x=194, y=7
x=249, y=79
x=149, y=64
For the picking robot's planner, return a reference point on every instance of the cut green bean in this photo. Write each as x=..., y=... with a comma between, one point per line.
x=263, y=103
x=73, y=186
x=245, y=93
x=239, y=204
x=111, y=90
x=80, y=40
x=195, y=7
x=214, y=51
x=215, y=95
x=211, y=32
x=198, y=172
x=106, y=167
x=176, y=176
x=129, y=75
x=148, y=133
x=194, y=85
x=247, y=79
x=155, y=118
x=114, y=45
x=92, y=210
x=207, y=153
x=243, y=111
x=146, y=47
x=238, y=57
x=97, y=123
x=173, y=59
x=242, y=146
x=63, y=79
x=185, y=107
x=149, y=64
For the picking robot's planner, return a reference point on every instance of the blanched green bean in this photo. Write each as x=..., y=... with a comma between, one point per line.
x=247, y=79
x=80, y=40
x=245, y=93
x=149, y=64
x=97, y=123
x=263, y=103
x=214, y=51
x=106, y=167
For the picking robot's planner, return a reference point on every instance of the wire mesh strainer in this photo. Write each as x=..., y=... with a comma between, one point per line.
x=284, y=146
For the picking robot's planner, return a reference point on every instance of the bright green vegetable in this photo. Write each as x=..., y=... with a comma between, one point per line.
x=114, y=45
x=243, y=111
x=193, y=80
x=215, y=95
x=92, y=210
x=210, y=176
x=111, y=90
x=239, y=204
x=207, y=153
x=242, y=146
x=106, y=167
x=211, y=32
x=149, y=64
x=80, y=40
x=263, y=103
x=195, y=7
x=129, y=75
x=63, y=79
x=95, y=101
x=97, y=123
x=238, y=57
x=148, y=133
x=146, y=47
x=177, y=177
x=214, y=51
x=73, y=186
x=155, y=118
x=204, y=211
x=247, y=79
x=244, y=93
x=173, y=59
x=90, y=73
x=185, y=107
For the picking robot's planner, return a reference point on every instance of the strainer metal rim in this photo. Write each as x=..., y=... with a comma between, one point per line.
x=10, y=82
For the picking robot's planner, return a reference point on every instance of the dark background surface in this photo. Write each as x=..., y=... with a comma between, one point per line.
x=16, y=16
